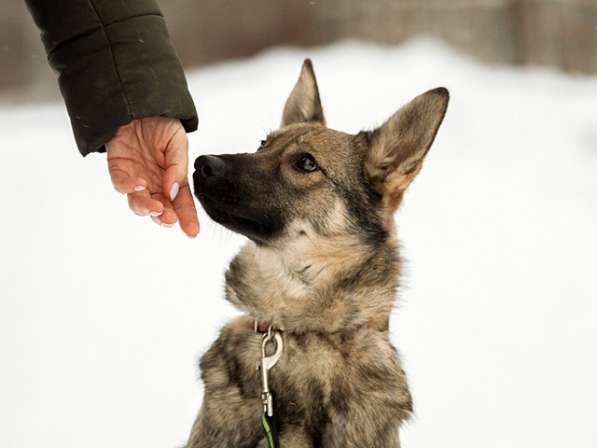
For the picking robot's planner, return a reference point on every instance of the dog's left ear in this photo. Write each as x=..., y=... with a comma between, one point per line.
x=304, y=104
x=398, y=147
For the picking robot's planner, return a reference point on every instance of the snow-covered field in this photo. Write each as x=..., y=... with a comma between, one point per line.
x=103, y=315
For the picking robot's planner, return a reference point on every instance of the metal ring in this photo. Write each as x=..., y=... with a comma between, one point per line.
x=276, y=338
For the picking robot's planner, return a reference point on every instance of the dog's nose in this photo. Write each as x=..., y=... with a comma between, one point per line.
x=210, y=166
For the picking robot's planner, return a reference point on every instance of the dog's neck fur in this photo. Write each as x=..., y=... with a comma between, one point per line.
x=313, y=283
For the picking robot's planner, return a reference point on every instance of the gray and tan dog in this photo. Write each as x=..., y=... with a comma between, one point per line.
x=322, y=266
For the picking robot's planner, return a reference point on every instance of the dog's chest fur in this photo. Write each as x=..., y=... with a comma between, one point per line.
x=316, y=381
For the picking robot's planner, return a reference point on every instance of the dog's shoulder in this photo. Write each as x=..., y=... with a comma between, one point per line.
x=233, y=356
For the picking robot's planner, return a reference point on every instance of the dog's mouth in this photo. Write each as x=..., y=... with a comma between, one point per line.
x=226, y=210
x=223, y=211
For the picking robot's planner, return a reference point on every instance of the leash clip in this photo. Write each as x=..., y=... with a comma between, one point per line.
x=267, y=362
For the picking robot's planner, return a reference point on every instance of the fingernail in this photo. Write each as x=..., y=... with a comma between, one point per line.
x=167, y=225
x=138, y=188
x=174, y=190
x=156, y=220
x=155, y=213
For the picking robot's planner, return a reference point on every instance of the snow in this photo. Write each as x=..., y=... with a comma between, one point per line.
x=103, y=315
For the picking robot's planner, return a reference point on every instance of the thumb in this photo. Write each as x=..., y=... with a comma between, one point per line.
x=176, y=159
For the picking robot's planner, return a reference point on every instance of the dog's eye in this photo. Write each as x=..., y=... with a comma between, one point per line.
x=306, y=163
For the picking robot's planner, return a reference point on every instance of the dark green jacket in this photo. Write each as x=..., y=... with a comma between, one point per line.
x=115, y=63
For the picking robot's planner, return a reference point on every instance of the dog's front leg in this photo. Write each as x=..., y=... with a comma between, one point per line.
x=360, y=426
x=230, y=416
x=222, y=427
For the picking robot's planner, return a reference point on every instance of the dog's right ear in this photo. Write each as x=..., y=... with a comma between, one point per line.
x=304, y=105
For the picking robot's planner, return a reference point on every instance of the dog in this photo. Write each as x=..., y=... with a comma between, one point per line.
x=320, y=269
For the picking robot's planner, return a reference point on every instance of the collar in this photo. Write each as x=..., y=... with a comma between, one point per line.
x=263, y=327
x=380, y=324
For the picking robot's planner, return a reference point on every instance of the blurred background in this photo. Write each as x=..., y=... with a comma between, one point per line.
x=554, y=33
x=103, y=314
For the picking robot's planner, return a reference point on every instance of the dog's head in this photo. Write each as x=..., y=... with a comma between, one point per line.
x=306, y=179
x=318, y=205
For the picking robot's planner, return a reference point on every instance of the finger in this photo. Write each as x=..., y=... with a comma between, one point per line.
x=184, y=206
x=176, y=162
x=142, y=204
x=168, y=217
x=121, y=179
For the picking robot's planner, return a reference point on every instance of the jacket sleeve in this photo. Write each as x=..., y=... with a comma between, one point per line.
x=115, y=63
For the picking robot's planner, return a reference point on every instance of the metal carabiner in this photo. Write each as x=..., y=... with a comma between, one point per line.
x=267, y=362
x=276, y=337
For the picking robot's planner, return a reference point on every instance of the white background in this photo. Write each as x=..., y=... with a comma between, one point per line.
x=103, y=314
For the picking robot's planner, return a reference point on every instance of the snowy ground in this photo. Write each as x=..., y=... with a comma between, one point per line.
x=102, y=315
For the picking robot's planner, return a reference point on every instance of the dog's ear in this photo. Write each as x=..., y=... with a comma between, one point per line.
x=303, y=104
x=397, y=148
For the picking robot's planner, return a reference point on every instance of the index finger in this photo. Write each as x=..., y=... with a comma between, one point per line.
x=184, y=206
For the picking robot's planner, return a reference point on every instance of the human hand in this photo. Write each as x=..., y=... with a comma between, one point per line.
x=148, y=161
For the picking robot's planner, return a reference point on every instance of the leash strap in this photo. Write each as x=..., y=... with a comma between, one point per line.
x=271, y=431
